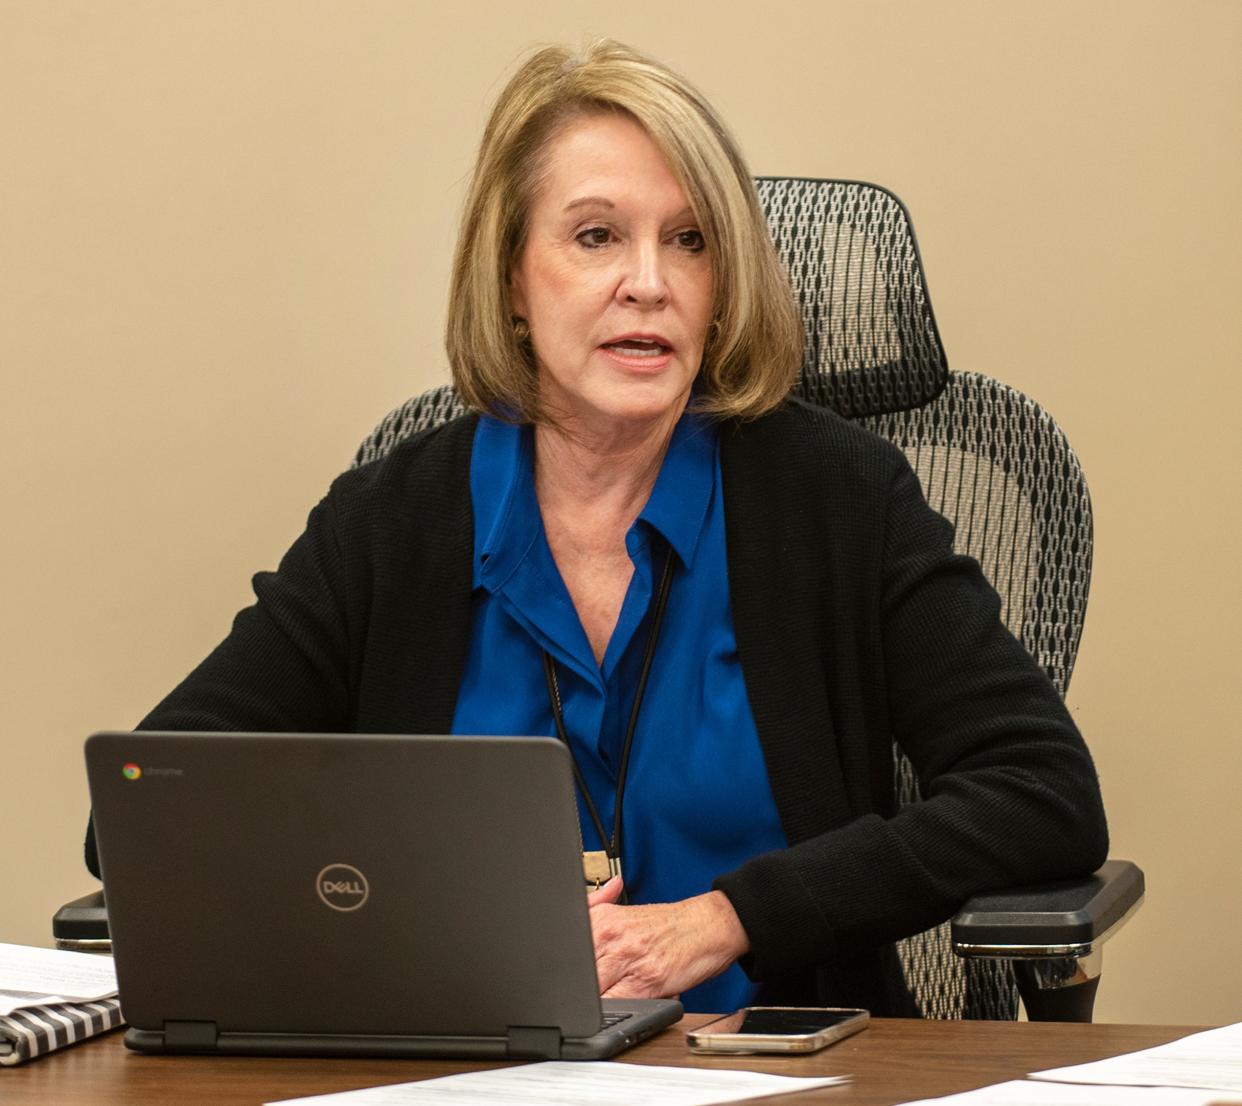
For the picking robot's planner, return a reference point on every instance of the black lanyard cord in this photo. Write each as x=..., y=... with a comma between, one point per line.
x=648, y=656
x=554, y=696
x=612, y=846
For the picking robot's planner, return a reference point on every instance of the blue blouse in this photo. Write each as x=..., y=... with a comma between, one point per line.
x=697, y=799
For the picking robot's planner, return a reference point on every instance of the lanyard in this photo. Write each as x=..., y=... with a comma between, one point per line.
x=597, y=867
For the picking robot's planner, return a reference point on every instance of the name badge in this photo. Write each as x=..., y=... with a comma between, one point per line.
x=598, y=868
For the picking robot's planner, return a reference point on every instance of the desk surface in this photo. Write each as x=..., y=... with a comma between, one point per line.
x=892, y=1061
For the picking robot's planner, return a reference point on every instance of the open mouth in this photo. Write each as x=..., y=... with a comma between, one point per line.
x=637, y=347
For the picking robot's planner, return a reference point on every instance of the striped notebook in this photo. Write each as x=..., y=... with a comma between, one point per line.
x=33, y=1030
x=50, y=998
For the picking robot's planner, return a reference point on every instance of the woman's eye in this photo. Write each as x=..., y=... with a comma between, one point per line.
x=594, y=237
x=692, y=240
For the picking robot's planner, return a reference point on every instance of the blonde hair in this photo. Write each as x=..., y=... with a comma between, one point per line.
x=754, y=343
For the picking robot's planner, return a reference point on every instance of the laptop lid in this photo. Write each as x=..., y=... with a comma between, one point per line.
x=344, y=884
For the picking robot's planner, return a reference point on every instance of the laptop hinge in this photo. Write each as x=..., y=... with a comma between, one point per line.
x=534, y=1042
x=190, y=1036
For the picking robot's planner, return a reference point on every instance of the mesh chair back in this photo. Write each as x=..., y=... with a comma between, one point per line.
x=871, y=339
x=433, y=407
x=989, y=459
x=997, y=466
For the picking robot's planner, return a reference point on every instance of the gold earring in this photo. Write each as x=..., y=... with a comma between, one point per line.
x=521, y=331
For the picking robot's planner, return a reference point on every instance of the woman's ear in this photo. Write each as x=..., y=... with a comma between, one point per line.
x=517, y=295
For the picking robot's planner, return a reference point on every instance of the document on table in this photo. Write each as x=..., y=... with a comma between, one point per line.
x=1211, y=1060
x=41, y=977
x=571, y=1083
x=50, y=999
x=1026, y=1092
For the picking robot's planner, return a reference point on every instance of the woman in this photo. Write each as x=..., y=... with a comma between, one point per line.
x=725, y=601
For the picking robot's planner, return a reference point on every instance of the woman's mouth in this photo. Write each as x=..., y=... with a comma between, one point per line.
x=638, y=347
x=638, y=354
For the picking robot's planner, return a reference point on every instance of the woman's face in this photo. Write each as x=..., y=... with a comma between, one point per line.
x=614, y=279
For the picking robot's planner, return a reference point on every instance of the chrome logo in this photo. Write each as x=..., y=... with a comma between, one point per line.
x=131, y=772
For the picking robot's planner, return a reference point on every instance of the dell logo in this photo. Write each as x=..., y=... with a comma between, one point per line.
x=342, y=887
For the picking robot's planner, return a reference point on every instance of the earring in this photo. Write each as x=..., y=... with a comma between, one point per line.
x=521, y=331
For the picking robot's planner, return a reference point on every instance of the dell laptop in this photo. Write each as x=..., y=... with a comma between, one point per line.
x=351, y=895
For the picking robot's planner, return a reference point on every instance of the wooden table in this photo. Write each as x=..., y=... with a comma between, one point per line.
x=893, y=1061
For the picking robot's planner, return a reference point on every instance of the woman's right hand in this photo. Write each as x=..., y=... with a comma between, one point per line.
x=660, y=950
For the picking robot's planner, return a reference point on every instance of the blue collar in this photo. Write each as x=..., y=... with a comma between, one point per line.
x=683, y=490
x=507, y=513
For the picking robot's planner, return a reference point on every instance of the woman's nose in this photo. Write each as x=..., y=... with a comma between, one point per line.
x=644, y=282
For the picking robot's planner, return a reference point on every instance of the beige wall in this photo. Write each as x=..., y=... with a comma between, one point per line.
x=224, y=236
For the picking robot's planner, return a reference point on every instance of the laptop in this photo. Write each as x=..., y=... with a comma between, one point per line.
x=352, y=895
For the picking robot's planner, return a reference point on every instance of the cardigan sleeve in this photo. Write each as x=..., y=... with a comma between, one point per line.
x=1009, y=791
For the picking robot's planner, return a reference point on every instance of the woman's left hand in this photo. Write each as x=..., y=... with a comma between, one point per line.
x=658, y=951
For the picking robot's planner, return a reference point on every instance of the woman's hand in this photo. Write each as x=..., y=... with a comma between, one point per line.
x=658, y=951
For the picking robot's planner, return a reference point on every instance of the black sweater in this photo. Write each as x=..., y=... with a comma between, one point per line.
x=855, y=623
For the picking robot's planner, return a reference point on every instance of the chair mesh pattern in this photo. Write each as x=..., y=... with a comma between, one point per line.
x=995, y=464
x=429, y=409
x=989, y=459
x=1000, y=469
x=871, y=338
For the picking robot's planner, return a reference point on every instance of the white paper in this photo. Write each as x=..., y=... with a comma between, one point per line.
x=36, y=977
x=1211, y=1060
x=574, y=1083
x=1025, y=1092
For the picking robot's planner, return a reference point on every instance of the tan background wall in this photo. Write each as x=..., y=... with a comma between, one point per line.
x=224, y=237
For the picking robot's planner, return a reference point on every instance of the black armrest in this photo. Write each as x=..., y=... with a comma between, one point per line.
x=83, y=924
x=1037, y=920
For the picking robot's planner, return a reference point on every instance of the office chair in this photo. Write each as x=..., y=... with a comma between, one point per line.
x=1001, y=471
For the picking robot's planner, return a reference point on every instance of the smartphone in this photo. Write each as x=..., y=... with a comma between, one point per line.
x=778, y=1029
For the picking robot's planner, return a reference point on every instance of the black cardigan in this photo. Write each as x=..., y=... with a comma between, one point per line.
x=855, y=623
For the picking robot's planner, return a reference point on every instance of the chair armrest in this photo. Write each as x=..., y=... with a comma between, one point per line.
x=1067, y=918
x=83, y=924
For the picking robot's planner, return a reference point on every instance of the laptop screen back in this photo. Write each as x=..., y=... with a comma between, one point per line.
x=349, y=884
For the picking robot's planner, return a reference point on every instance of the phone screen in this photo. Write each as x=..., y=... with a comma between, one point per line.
x=775, y=1022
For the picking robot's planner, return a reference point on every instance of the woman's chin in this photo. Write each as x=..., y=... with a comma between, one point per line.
x=650, y=403
x=642, y=410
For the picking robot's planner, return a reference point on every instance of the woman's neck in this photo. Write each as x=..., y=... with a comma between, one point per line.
x=599, y=479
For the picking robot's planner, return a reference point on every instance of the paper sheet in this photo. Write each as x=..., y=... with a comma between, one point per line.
x=559, y=1083
x=1026, y=1092
x=1211, y=1060
x=35, y=977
